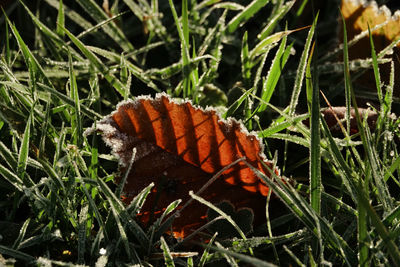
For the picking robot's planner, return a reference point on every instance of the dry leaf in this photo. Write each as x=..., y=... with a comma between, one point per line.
x=179, y=148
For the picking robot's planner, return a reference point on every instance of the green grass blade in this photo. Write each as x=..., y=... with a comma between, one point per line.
x=162, y=226
x=24, y=151
x=28, y=259
x=92, y=204
x=245, y=15
x=260, y=68
x=315, y=152
x=246, y=66
x=49, y=33
x=136, y=9
x=22, y=233
x=34, y=66
x=282, y=125
x=7, y=41
x=71, y=14
x=269, y=41
x=347, y=79
x=119, y=208
x=307, y=215
x=168, y=260
x=71, y=102
x=274, y=21
x=76, y=118
x=116, y=83
x=393, y=249
x=375, y=67
x=274, y=74
x=219, y=211
x=348, y=177
x=12, y=178
x=111, y=29
x=121, y=230
x=315, y=157
x=185, y=21
x=388, y=100
x=394, y=167
x=301, y=69
x=243, y=258
x=60, y=20
x=135, y=70
x=52, y=174
x=100, y=25
x=237, y=104
x=8, y=157
x=184, y=47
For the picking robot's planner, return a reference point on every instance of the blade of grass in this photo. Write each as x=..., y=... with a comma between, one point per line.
x=7, y=41
x=271, y=40
x=175, y=68
x=363, y=198
x=307, y=215
x=90, y=200
x=242, y=257
x=71, y=14
x=315, y=151
x=220, y=212
x=315, y=155
x=301, y=69
x=237, y=104
x=246, y=67
x=168, y=260
x=245, y=15
x=49, y=33
x=347, y=79
x=67, y=100
x=183, y=33
x=24, y=153
x=60, y=20
x=121, y=230
x=371, y=153
x=76, y=118
x=274, y=74
x=8, y=157
x=393, y=249
x=30, y=60
x=282, y=125
x=116, y=83
x=17, y=254
x=119, y=208
x=159, y=227
x=135, y=70
x=111, y=29
x=375, y=68
x=274, y=21
x=12, y=178
x=349, y=176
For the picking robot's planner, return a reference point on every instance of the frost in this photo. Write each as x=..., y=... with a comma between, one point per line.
x=379, y=10
x=103, y=251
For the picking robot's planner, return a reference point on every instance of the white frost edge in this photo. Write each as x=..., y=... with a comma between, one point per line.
x=379, y=10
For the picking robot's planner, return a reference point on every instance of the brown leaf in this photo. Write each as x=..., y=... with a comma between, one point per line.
x=358, y=15
x=179, y=148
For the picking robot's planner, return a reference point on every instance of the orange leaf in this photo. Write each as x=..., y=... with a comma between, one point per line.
x=358, y=15
x=179, y=148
